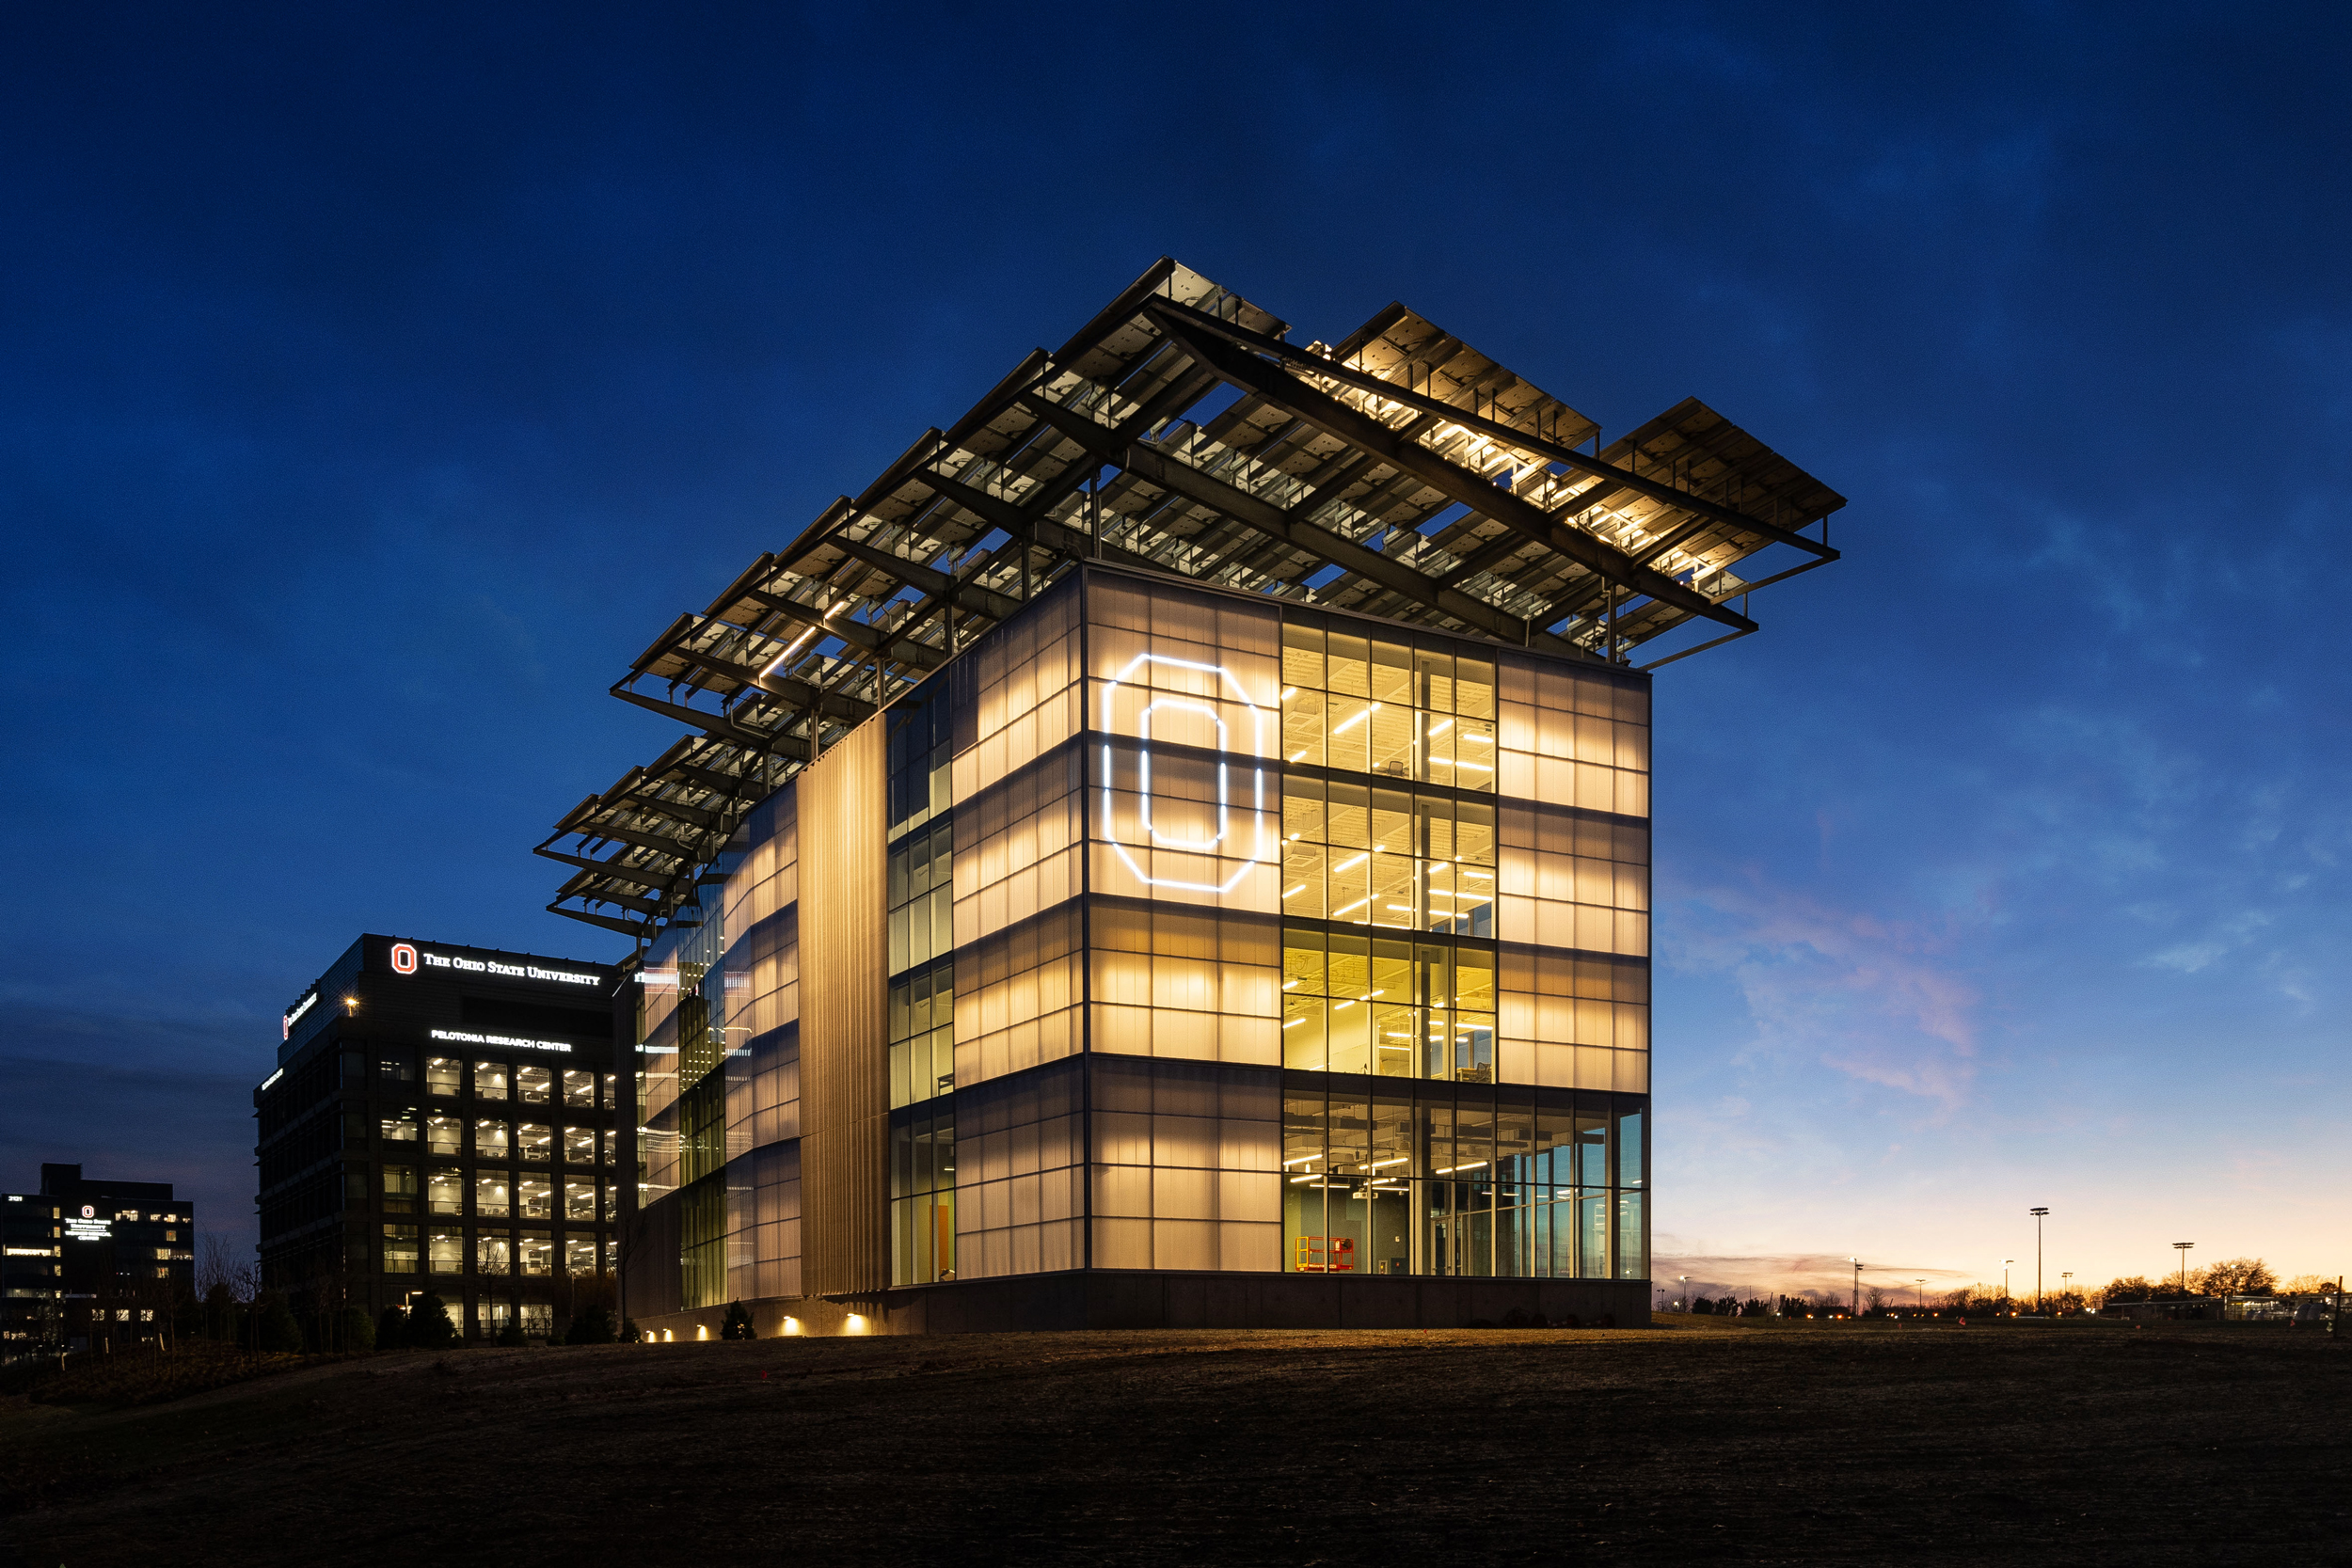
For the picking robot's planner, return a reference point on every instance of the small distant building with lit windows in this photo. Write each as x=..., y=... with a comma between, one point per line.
x=91, y=1263
x=443, y=1120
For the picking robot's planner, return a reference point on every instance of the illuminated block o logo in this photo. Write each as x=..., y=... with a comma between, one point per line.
x=403, y=958
x=1224, y=791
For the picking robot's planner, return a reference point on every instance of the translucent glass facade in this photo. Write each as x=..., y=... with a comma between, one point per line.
x=1223, y=934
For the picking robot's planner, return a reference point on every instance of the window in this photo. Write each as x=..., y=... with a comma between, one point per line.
x=534, y=1197
x=400, y=1249
x=445, y=1250
x=922, y=914
x=535, y=1086
x=922, y=1034
x=400, y=1126
x=491, y=1316
x=494, y=1253
x=579, y=1200
x=445, y=1193
x=580, y=1088
x=1386, y=857
x=490, y=1194
x=1357, y=1003
x=444, y=1135
x=579, y=1254
x=611, y=1090
x=534, y=1141
x=535, y=1255
x=1370, y=707
x=611, y=1199
x=489, y=1140
x=608, y=1147
x=611, y=1256
x=539, y=1318
x=441, y=1075
x=397, y=1070
x=579, y=1146
x=489, y=1080
x=400, y=1188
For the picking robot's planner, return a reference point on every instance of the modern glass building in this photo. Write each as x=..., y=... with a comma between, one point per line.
x=1176, y=849
x=443, y=1120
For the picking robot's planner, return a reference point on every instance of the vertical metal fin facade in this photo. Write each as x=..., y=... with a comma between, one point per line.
x=845, y=1062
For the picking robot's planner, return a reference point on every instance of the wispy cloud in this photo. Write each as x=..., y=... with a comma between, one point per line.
x=1869, y=997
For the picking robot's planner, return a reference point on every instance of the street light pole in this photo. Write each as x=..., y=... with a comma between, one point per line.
x=1855, y=1309
x=2005, y=1263
x=2038, y=1214
x=2182, y=1247
x=2066, y=1287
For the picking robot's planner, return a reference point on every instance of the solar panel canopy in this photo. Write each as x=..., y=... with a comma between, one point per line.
x=1398, y=473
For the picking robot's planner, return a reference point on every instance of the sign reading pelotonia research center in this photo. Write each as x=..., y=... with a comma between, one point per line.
x=409, y=957
x=462, y=1038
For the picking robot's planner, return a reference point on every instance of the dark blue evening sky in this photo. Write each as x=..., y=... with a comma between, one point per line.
x=376, y=381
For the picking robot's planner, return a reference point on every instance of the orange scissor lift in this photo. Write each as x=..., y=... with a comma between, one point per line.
x=1326, y=1255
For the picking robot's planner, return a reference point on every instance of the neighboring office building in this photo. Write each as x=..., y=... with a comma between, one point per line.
x=91, y=1263
x=442, y=1119
x=32, y=1275
x=1147, y=872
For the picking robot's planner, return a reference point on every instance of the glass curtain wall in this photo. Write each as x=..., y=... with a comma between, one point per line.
x=1017, y=1155
x=719, y=1065
x=1459, y=840
x=1480, y=1180
x=920, y=1015
x=762, y=967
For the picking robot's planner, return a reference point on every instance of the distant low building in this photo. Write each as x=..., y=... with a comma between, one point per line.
x=92, y=1263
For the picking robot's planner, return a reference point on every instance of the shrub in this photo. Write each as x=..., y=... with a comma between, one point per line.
x=392, y=1329
x=277, y=1330
x=630, y=1333
x=593, y=1327
x=354, y=1329
x=738, y=1324
x=512, y=1333
x=429, y=1327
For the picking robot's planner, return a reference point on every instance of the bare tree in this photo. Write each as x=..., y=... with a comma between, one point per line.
x=218, y=1262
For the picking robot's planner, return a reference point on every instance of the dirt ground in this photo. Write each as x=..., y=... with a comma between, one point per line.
x=1696, y=1440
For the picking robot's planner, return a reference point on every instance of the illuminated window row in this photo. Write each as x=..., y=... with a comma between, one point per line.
x=495, y=1140
x=526, y=1253
x=495, y=1194
x=1432, y=676
x=1366, y=706
x=1394, y=1009
x=1384, y=856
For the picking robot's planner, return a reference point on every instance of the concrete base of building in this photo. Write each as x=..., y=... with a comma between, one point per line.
x=1103, y=1298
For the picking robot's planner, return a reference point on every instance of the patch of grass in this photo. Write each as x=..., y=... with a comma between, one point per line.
x=148, y=1377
